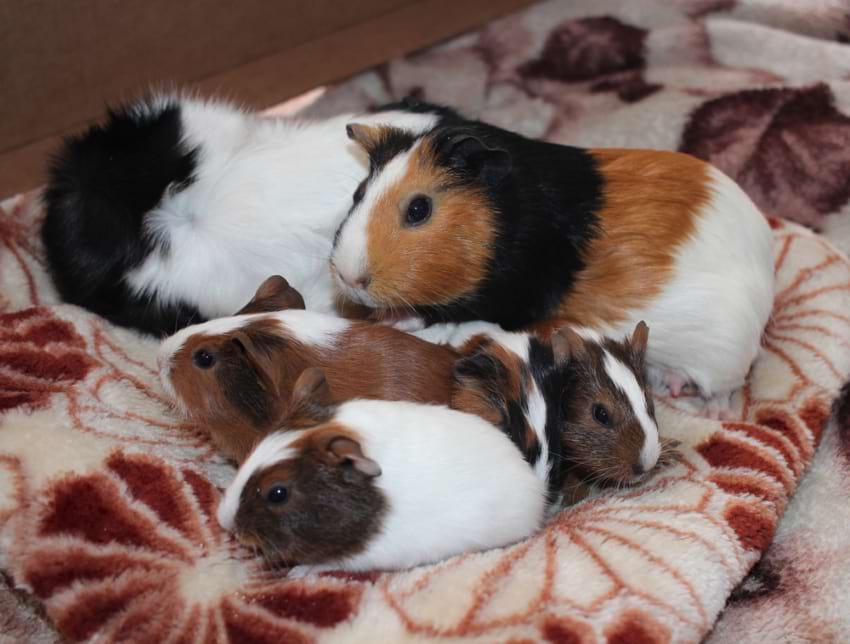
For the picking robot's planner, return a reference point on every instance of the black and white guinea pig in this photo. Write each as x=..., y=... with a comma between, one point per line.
x=173, y=209
x=576, y=404
x=380, y=485
x=468, y=221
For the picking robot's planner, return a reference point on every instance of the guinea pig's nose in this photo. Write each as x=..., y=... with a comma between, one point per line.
x=363, y=282
x=637, y=469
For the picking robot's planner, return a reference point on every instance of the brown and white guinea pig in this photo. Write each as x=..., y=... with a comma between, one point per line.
x=234, y=375
x=376, y=484
x=468, y=221
x=576, y=404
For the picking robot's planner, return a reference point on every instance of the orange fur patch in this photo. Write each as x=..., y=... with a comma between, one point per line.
x=439, y=261
x=652, y=200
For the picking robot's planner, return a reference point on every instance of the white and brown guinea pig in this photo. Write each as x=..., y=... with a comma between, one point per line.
x=377, y=484
x=469, y=221
x=576, y=404
x=233, y=376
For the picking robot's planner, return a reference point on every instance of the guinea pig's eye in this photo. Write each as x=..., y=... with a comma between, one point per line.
x=277, y=494
x=203, y=359
x=418, y=211
x=600, y=414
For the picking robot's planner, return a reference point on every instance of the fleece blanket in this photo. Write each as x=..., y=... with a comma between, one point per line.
x=107, y=498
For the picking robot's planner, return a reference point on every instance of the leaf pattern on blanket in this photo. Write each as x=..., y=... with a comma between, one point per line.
x=39, y=354
x=582, y=49
x=600, y=49
x=110, y=435
x=788, y=148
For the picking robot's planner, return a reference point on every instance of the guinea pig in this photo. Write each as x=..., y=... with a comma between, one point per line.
x=576, y=404
x=233, y=376
x=377, y=484
x=468, y=221
x=173, y=209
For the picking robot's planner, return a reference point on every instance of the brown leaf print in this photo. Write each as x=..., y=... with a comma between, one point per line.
x=39, y=355
x=584, y=49
x=788, y=148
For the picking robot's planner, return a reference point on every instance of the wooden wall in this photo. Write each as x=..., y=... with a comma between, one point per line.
x=61, y=61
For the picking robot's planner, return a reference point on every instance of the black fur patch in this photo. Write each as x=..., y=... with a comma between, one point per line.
x=101, y=185
x=546, y=207
x=393, y=142
x=552, y=380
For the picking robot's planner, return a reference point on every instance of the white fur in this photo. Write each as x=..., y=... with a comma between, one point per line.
x=349, y=256
x=267, y=199
x=536, y=416
x=625, y=379
x=453, y=482
x=457, y=334
x=708, y=321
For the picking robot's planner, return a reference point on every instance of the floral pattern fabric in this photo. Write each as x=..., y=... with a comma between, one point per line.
x=107, y=497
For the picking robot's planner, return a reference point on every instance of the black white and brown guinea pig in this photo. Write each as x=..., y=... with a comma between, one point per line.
x=233, y=376
x=377, y=484
x=577, y=405
x=469, y=221
x=174, y=208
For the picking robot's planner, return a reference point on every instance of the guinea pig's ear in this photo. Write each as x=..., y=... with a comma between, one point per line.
x=274, y=294
x=311, y=402
x=479, y=385
x=640, y=338
x=259, y=360
x=344, y=449
x=470, y=155
x=567, y=345
x=366, y=136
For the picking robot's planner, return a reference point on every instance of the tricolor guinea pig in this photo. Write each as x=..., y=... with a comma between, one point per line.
x=173, y=208
x=233, y=376
x=576, y=404
x=469, y=221
x=378, y=484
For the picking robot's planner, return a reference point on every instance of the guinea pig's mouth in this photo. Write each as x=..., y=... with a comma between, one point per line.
x=355, y=294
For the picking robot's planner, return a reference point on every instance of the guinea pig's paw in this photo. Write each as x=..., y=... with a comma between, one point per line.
x=672, y=382
x=719, y=408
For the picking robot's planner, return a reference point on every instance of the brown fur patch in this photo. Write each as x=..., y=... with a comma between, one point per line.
x=247, y=393
x=440, y=260
x=652, y=200
x=602, y=453
x=331, y=511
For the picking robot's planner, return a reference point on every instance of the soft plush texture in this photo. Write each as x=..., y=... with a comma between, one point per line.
x=107, y=499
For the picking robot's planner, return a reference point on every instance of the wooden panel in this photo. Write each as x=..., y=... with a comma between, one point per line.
x=260, y=82
x=61, y=59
